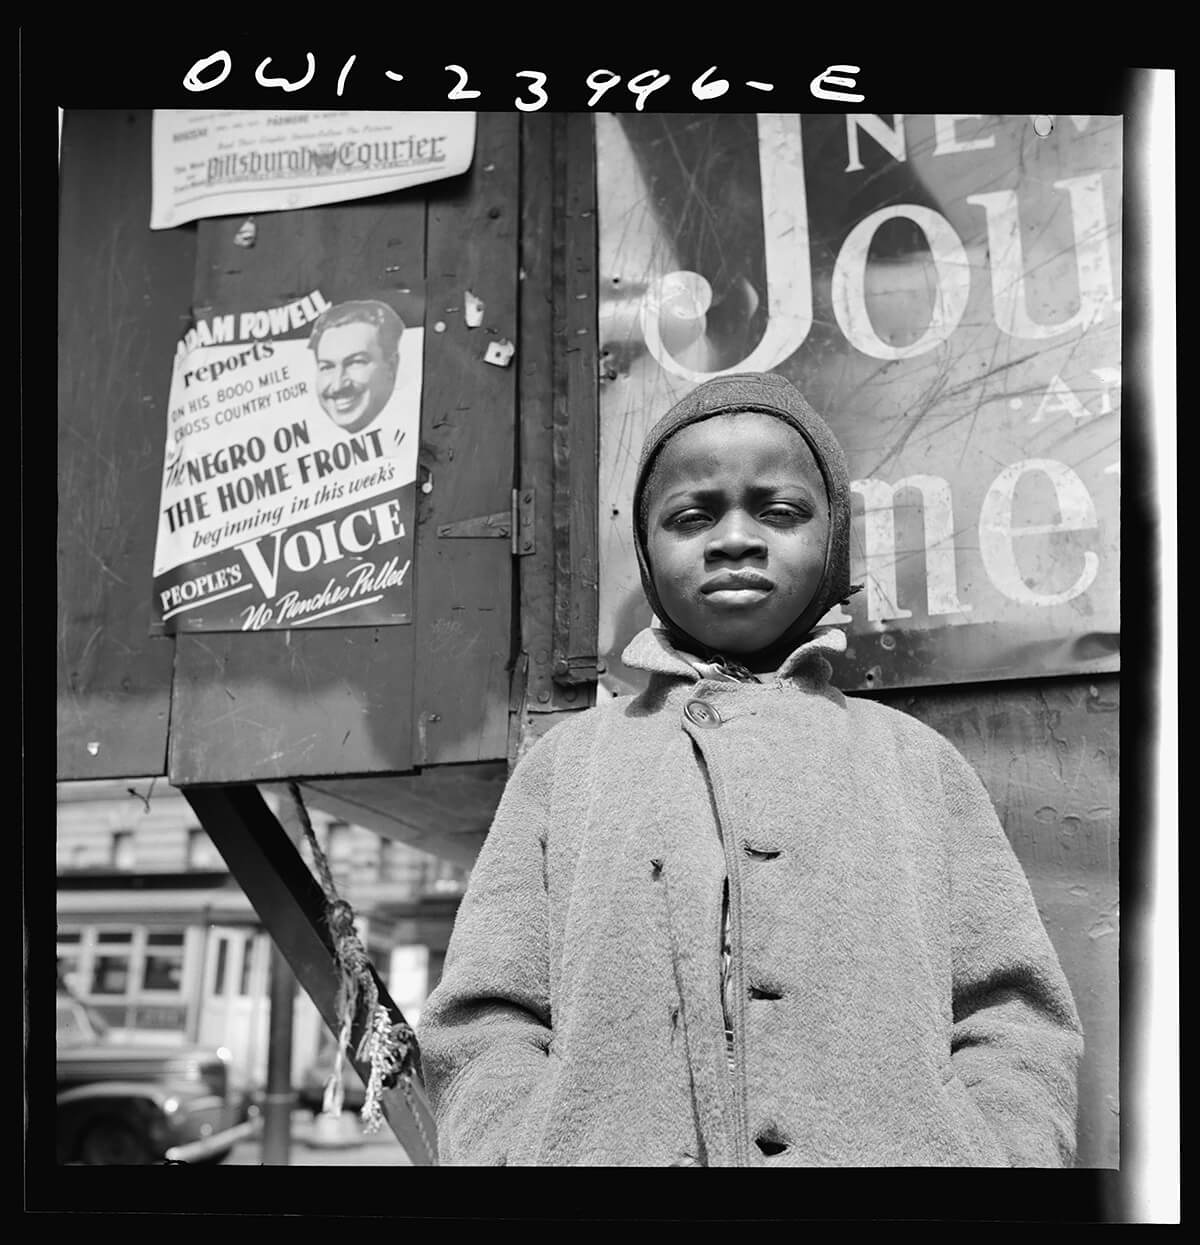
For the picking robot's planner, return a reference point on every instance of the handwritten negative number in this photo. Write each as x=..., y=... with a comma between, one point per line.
x=460, y=91
x=601, y=80
x=538, y=80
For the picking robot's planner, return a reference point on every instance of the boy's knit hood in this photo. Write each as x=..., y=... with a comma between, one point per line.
x=772, y=395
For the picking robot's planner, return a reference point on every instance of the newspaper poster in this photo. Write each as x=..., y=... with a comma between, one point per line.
x=221, y=163
x=288, y=491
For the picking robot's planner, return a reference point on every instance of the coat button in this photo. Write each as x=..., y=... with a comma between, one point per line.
x=701, y=713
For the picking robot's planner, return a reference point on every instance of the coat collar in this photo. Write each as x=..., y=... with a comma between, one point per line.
x=651, y=650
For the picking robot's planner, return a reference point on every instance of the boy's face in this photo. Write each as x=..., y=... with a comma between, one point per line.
x=736, y=530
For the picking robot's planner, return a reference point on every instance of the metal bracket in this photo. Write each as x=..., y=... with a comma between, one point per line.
x=498, y=524
x=571, y=670
x=514, y=524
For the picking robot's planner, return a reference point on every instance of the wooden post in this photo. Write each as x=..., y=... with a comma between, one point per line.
x=123, y=301
x=558, y=420
x=576, y=405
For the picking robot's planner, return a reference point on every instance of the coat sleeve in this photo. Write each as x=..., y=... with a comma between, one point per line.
x=485, y=1031
x=1016, y=1038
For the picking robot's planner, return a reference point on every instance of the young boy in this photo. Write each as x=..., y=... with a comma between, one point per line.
x=738, y=919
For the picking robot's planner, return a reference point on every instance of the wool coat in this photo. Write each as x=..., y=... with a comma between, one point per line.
x=897, y=1001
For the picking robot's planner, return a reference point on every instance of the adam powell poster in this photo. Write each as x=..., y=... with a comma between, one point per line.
x=288, y=491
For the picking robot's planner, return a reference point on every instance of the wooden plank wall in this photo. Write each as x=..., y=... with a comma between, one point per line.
x=270, y=705
x=263, y=706
x=1048, y=753
x=464, y=587
x=275, y=704
x=123, y=295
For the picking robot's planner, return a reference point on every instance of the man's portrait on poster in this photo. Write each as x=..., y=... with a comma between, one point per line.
x=356, y=353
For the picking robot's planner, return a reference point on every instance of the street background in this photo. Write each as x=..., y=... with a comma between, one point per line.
x=351, y=1148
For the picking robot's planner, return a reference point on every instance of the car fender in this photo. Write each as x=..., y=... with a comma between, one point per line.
x=138, y=1105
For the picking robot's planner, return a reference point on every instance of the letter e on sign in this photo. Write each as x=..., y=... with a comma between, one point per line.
x=387, y=519
x=1077, y=513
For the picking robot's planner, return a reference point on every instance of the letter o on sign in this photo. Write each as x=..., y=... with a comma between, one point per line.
x=302, y=558
x=850, y=278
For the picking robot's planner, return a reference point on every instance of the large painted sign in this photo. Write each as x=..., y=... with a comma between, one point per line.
x=946, y=291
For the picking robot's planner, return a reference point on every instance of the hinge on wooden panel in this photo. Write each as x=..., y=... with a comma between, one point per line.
x=524, y=542
x=570, y=670
x=514, y=524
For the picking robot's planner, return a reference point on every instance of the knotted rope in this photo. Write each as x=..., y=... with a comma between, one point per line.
x=388, y=1049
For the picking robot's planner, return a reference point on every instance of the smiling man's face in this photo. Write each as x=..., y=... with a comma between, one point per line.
x=354, y=377
x=737, y=527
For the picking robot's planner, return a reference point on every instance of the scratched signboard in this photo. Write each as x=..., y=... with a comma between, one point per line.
x=946, y=292
x=288, y=487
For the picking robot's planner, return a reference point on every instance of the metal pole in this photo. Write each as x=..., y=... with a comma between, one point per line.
x=280, y=1097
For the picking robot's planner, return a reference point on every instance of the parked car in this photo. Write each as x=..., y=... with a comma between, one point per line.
x=120, y=1103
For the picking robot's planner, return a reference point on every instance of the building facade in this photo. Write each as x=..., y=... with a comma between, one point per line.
x=155, y=934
